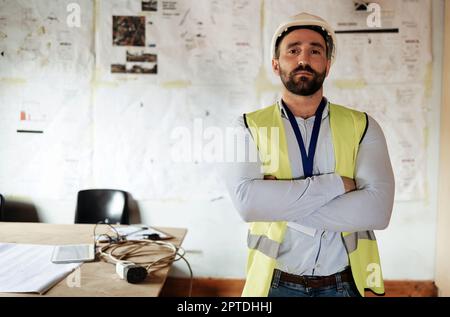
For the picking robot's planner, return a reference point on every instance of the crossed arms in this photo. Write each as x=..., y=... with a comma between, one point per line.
x=325, y=202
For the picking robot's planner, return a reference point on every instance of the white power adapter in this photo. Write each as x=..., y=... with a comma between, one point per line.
x=131, y=272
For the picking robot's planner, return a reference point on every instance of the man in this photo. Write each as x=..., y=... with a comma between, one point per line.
x=322, y=181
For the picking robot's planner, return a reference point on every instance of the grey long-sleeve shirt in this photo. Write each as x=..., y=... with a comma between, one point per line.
x=316, y=208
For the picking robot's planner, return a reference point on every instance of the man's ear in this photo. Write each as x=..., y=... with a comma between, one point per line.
x=276, y=66
x=328, y=67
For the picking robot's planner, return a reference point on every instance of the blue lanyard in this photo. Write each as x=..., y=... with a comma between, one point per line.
x=307, y=158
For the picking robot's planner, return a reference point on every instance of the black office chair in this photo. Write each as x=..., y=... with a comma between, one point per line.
x=106, y=205
x=2, y=206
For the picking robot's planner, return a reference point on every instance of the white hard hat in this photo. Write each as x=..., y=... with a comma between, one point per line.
x=306, y=19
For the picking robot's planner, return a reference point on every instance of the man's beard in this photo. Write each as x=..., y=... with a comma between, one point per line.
x=303, y=85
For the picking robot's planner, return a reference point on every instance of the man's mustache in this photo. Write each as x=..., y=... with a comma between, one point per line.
x=302, y=68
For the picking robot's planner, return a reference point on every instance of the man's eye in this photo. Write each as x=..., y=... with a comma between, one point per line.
x=293, y=51
x=315, y=52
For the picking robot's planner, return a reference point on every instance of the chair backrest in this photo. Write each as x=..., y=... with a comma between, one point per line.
x=107, y=205
x=2, y=206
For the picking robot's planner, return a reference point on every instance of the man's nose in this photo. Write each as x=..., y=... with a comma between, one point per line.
x=303, y=58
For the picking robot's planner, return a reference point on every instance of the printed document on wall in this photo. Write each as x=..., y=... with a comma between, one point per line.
x=179, y=41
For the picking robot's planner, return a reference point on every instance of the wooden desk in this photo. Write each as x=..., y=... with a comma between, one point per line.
x=96, y=278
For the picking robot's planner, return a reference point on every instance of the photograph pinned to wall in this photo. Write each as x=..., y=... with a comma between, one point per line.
x=129, y=30
x=141, y=57
x=150, y=5
x=138, y=61
x=134, y=68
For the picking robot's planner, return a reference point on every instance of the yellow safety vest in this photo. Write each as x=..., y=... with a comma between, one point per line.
x=265, y=238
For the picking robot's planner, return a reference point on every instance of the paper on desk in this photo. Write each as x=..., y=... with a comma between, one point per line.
x=27, y=268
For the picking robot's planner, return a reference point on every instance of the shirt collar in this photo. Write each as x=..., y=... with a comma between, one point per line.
x=284, y=114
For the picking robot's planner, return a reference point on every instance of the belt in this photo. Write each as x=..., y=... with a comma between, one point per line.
x=315, y=281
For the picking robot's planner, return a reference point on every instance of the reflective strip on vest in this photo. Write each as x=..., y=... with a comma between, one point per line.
x=351, y=240
x=263, y=244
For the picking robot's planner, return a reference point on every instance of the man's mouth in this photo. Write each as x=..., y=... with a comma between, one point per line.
x=303, y=72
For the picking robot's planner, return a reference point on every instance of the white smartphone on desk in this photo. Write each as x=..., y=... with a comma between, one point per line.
x=73, y=253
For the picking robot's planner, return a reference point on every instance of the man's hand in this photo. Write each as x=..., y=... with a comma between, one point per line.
x=349, y=184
